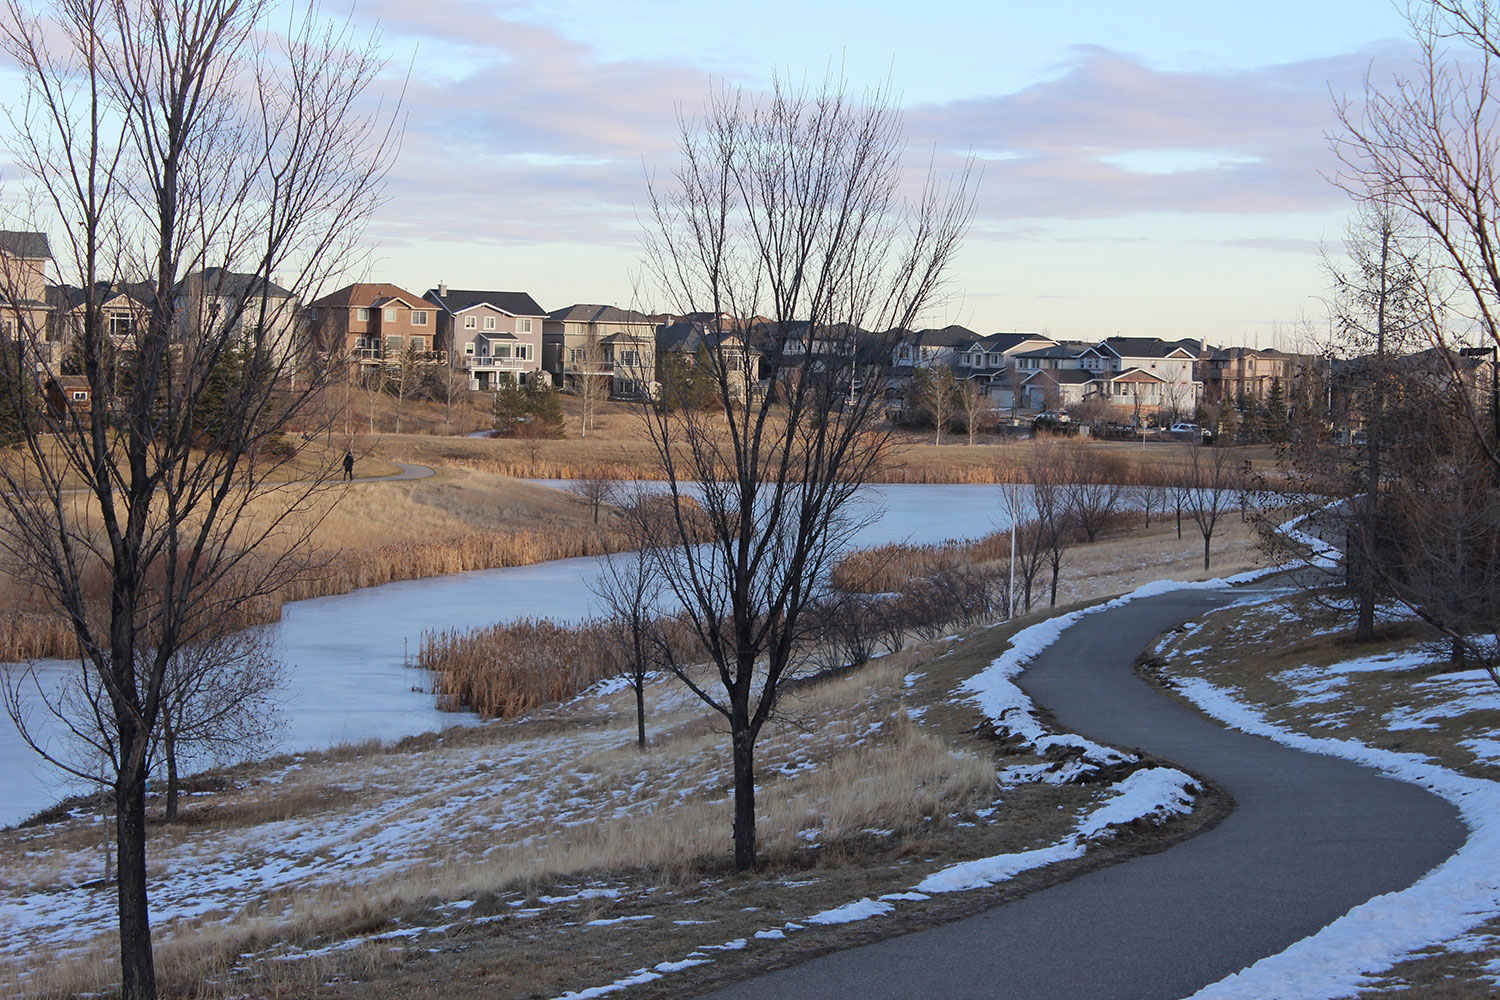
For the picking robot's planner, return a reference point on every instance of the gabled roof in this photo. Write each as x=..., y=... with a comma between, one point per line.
x=1131, y=375
x=31, y=246
x=585, y=313
x=70, y=297
x=690, y=335
x=362, y=296
x=1145, y=347
x=386, y=300
x=458, y=300
x=952, y=335
x=1065, y=376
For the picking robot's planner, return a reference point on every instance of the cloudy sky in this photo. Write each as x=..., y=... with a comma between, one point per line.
x=1155, y=168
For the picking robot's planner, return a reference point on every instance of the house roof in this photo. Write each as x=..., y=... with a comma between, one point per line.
x=1146, y=347
x=233, y=284
x=949, y=336
x=1065, y=376
x=70, y=297
x=1007, y=341
x=586, y=313
x=362, y=296
x=458, y=299
x=1065, y=349
x=385, y=300
x=690, y=335
x=33, y=246
x=1132, y=375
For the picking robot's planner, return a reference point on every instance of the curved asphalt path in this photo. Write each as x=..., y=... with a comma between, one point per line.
x=1310, y=838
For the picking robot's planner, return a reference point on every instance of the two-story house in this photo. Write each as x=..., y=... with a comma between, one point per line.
x=1235, y=374
x=496, y=337
x=24, y=311
x=1146, y=373
x=929, y=348
x=585, y=340
x=249, y=307
x=694, y=342
x=374, y=324
x=124, y=309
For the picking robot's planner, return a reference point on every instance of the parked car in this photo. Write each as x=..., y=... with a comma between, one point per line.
x=1186, y=429
x=1056, y=416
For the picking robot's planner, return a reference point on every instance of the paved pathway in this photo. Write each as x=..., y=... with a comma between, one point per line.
x=1310, y=838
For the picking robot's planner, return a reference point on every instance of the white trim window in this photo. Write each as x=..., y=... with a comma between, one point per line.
x=523, y=326
x=362, y=315
x=470, y=323
x=390, y=315
x=469, y=350
x=500, y=351
x=419, y=317
x=489, y=322
x=523, y=352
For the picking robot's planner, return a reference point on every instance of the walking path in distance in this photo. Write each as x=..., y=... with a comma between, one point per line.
x=1310, y=838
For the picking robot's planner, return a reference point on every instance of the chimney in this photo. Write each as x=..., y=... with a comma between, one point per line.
x=442, y=289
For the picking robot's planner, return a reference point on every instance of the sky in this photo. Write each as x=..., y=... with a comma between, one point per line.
x=1148, y=169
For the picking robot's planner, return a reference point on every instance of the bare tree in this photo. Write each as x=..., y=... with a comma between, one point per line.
x=404, y=379
x=218, y=703
x=1093, y=487
x=1428, y=144
x=938, y=395
x=978, y=409
x=594, y=490
x=592, y=380
x=1208, y=490
x=630, y=590
x=786, y=210
x=1046, y=470
x=189, y=146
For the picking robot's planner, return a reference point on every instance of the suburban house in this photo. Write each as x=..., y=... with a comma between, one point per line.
x=1235, y=374
x=1056, y=388
x=123, y=308
x=496, y=337
x=374, y=325
x=256, y=310
x=24, y=258
x=603, y=342
x=988, y=357
x=1166, y=366
x=929, y=348
x=1061, y=356
x=692, y=342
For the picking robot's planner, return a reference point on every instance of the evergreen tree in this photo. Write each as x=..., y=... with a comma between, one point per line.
x=509, y=408
x=544, y=406
x=1273, y=417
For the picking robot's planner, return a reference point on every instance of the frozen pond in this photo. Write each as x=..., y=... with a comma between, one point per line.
x=345, y=655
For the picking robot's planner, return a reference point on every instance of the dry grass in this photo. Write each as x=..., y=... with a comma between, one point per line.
x=305, y=863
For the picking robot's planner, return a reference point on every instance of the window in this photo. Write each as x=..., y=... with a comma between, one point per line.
x=120, y=325
x=523, y=326
x=80, y=394
x=500, y=350
x=629, y=359
x=390, y=315
x=489, y=322
x=470, y=323
x=469, y=349
x=523, y=352
x=362, y=315
x=574, y=355
x=393, y=345
x=419, y=317
x=419, y=343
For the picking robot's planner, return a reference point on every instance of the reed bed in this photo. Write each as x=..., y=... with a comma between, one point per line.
x=508, y=669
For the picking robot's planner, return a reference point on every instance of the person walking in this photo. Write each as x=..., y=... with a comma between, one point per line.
x=348, y=466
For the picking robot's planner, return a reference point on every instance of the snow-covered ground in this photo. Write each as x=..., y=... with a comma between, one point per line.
x=1447, y=908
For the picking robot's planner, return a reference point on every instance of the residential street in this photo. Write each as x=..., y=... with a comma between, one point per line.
x=1310, y=838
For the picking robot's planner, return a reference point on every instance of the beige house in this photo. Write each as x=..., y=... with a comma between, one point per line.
x=619, y=344
x=247, y=306
x=496, y=337
x=1232, y=374
x=24, y=310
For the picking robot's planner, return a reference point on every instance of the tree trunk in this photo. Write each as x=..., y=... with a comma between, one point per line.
x=169, y=748
x=640, y=711
x=1206, y=539
x=137, y=967
x=744, y=796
